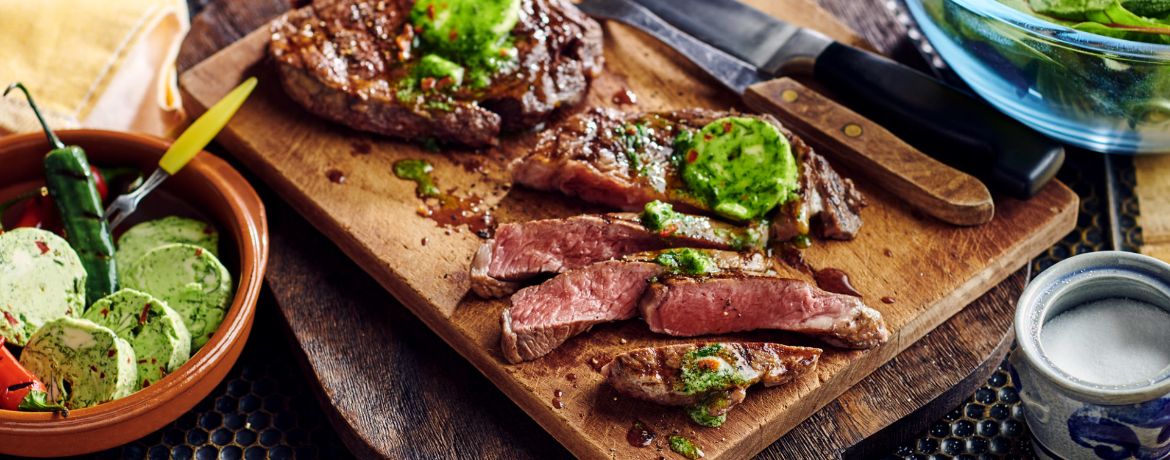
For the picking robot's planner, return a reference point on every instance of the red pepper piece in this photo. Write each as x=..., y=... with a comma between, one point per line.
x=19, y=389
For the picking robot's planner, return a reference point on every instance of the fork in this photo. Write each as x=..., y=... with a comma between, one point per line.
x=189, y=144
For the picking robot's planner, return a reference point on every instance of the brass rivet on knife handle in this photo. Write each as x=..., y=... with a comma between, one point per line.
x=846, y=137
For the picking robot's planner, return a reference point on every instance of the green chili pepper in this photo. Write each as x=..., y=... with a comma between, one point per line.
x=70, y=181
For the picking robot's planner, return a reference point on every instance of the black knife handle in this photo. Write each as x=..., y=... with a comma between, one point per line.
x=950, y=125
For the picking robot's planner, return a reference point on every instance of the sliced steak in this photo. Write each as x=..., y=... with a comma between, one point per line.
x=588, y=156
x=832, y=201
x=542, y=317
x=344, y=60
x=520, y=251
x=722, y=303
x=712, y=374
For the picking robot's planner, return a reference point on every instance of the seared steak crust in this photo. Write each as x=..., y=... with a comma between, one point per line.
x=520, y=251
x=722, y=303
x=543, y=317
x=655, y=373
x=343, y=60
x=588, y=156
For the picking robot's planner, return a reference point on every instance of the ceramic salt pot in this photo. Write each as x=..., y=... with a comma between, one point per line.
x=1093, y=357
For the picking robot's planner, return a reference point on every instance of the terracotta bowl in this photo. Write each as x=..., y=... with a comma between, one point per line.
x=212, y=188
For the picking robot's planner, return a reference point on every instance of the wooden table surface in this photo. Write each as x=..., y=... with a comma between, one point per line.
x=431, y=384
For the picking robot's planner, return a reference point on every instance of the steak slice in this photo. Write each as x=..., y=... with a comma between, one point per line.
x=520, y=251
x=722, y=303
x=543, y=317
x=715, y=375
x=344, y=60
x=587, y=156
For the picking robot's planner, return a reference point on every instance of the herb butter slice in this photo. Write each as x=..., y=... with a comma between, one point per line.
x=190, y=280
x=83, y=363
x=41, y=279
x=141, y=238
x=155, y=331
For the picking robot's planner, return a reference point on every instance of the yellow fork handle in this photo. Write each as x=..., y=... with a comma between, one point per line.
x=204, y=129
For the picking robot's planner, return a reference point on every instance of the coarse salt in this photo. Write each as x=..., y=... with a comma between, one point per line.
x=1109, y=342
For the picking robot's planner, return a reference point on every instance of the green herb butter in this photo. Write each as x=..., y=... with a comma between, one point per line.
x=157, y=333
x=707, y=369
x=82, y=363
x=419, y=172
x=700, y=415
x=190, y=280
x=41, y=279
x=141, y=238
x=687, y=261
x=740, y=167
x=469, y=34
x=685, y=447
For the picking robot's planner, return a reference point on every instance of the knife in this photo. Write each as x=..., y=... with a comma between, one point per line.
x=946, y=123
x=842, y=135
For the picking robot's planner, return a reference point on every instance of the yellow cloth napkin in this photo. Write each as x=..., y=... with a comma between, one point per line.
x=93, y=63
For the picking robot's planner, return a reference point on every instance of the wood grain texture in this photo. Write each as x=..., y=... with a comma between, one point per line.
x=847, y=138
x=1153, y=192
x=934, y=269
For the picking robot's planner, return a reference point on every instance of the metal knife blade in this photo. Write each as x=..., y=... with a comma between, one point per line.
x=733, y=73
x=749, y=34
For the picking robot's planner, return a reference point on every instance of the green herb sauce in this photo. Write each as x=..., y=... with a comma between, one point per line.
x=687, y=261
x=685, y=447
x=465, y=40
x=633, y=139
x=740, y=167
x=707, y=369
x=657, y=215
x=418, y=171
x=700, y=415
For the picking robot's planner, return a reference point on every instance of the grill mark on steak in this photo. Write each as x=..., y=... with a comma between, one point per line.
x=723, y=303
x=520, y=251
x=585, y=156
x=654, y=373
x=342, y=60
x=541, y=318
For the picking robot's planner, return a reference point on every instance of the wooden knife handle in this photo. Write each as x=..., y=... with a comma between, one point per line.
x=846, y=137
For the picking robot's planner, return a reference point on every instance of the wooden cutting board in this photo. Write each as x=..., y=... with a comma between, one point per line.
x=930, y=269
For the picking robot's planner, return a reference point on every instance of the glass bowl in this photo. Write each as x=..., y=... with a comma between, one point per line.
x=1100, y=93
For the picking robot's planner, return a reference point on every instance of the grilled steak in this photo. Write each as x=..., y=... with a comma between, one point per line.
x=722, y=303
x=624, y=160
x=352, y=61
x=542, y=317
x=520, y=251
x=713, y=375
x=833, y=203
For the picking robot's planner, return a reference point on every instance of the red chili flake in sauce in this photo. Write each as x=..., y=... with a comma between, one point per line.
x=94, y=368
x=142, y=316
x=105, y=312
x=708, y=137
x=11, y=320
x=692, y=156
x=198, y=252
x=43, y=247
x=110, y=353
x=431, y=12
x=427, y=84
x=888, y=299
x=453, y=35
x=727, y=127
x=445, y=82
x=669, y=230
